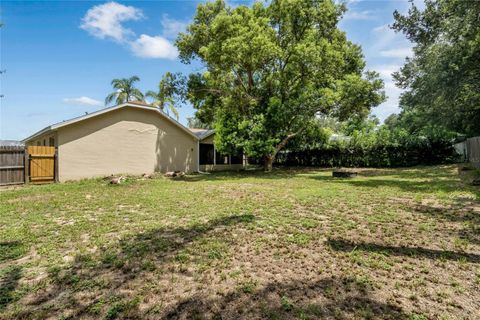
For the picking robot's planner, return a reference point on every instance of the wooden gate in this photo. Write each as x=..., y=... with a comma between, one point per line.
x=42, y=164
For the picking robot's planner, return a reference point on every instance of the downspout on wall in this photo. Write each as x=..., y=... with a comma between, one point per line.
x=198, y=155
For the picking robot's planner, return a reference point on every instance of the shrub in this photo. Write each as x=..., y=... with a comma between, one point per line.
x=382, y=148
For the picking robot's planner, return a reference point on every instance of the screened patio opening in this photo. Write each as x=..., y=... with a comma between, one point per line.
x=206, y=153
x=210, y=156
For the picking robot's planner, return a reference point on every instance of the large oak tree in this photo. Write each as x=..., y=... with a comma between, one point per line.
x=271, y=69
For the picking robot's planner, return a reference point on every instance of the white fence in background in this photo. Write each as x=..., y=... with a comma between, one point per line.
x=470, y=150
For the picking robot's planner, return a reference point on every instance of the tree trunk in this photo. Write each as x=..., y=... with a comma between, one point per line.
x=269, y=159
x=268, y=163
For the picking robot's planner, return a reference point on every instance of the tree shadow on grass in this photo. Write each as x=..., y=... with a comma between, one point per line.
x=349, y=246
x=431, y=172
x=11, y=250
x=10, y=274
x=9, y=278
x=413, y=186
x=339, y=298
x=417, y=179
x=460, y=212
x=82, y=288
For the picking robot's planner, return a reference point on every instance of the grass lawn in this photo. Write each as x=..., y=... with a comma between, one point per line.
x=297, y=244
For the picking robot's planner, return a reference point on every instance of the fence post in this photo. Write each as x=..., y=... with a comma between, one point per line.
x=26, y=165
x=55, y=164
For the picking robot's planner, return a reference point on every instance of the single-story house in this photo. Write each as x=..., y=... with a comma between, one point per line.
x=131, y=138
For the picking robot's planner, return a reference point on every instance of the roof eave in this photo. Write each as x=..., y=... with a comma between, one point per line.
x=208, y=134
x=37, y=134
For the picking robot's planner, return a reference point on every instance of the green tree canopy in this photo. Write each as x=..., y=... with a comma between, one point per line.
x=271, y=69
x=392, y=121
x=194, y=122
x=124, y=91
x=442, y=79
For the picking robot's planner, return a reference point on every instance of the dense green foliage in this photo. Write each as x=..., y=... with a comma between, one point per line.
x=271, y=69
x=194, y=122
x=416, y=151
x=371, y=146
x=125, y=91
x=442, y=80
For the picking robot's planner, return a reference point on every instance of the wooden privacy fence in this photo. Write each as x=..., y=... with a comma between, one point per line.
x=473, y=150
x=469, y=150
x=36, y=164
x=12, y=165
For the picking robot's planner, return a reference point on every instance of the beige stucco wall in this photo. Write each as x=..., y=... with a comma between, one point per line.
x=128, y=140
x=208, y=140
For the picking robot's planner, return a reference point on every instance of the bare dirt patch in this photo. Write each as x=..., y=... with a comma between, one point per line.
x=296, y=244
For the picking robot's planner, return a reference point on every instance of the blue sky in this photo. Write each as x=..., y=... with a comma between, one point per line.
x=60, y=57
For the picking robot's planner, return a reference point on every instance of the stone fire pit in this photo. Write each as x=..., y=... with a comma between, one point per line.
x=344, y=173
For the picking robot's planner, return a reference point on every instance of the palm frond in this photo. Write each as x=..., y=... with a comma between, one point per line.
x=133, y=79
x=110, y=98
x=174, y=111
x=137, y=94
x=122, y=98
x=124, y=91
x=157, y=104
x=151, y=94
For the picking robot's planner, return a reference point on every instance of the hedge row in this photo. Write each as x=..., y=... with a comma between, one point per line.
x=418, y=153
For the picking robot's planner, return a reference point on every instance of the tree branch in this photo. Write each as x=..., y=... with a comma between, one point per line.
x=285, y=140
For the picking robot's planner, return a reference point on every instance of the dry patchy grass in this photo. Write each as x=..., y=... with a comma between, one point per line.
x=292, y=244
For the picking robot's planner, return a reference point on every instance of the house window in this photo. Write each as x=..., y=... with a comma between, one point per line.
x=51, y=142
x=44, y=142
x=39, y=143
x=206, y=153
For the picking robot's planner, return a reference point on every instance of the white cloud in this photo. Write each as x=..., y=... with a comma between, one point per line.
x=386, y=71
x=391, y=90
x=390, y=49
x=386, y=109
x=172, y=27
x=105, y=20
x=385, y=31
x=391, y=104
x=359, y=15
x=385, y=37
x=389, y=44
x=397, y=52
x=153, y=47
x=237, y=3
x=83, y=101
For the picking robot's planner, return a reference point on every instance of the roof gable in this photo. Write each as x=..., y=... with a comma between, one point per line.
x=109, y=109
x=202, y=133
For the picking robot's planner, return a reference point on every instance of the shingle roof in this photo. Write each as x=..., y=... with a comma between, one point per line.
x=202, y=133
x=11, y=143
